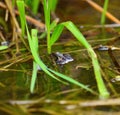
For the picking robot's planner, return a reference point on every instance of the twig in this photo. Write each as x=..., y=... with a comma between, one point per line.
x=107, y=26
x=108, y=102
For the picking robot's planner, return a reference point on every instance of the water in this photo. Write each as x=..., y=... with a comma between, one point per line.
x=15, y=85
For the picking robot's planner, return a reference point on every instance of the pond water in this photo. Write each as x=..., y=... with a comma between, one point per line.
x=15, y=79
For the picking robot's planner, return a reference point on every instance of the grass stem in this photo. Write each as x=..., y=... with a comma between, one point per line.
x=103, y=17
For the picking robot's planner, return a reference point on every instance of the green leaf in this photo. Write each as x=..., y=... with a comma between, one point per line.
x=21, y=8
x=34, y=76
x=35, y=6
x=103, y=17
x=53, y=24
x=56, y=33
x=47, y=22
x=46, y=13
x=3, y=47
x=53, y=4
x=34, y=38
x=76, y=32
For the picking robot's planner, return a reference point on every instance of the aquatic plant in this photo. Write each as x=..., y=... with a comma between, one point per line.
x=33, y=43
x=72, y=28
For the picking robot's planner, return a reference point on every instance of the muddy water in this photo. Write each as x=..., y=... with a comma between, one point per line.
x=80, y=12
x=15, y=85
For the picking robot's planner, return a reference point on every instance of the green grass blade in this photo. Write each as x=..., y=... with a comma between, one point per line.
x=53, y=24
x=28, y=2
x=3, y=47
x=56, y=33
x=53, y=4
x=35, y=65
x=35, y=6
x=72, y=28
x=46, y=13
x=72, y=81
x=75, y=31
x=103, y=17
x=21, y=8
x=47, y=22
x=34, y=38
x=34, y=76
x=101, y=86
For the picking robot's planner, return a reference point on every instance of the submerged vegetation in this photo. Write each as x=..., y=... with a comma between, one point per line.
x=31, y=51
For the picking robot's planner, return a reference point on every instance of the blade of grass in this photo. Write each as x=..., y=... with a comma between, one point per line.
x=35, y=65
x=34, y=76
x=52, y=26
x=47, y=22
x=35, y=6
x=34, y=38
x=75, y=31
x=101, y=86
x=3, y=47
x=53, y=4
x=69, y=25
x=21, y=8
x=103, y=17
x=56, y=33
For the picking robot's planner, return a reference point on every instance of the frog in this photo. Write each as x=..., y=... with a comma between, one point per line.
x=63, y=58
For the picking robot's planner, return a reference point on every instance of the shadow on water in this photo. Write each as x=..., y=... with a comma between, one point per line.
x=50, y=95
